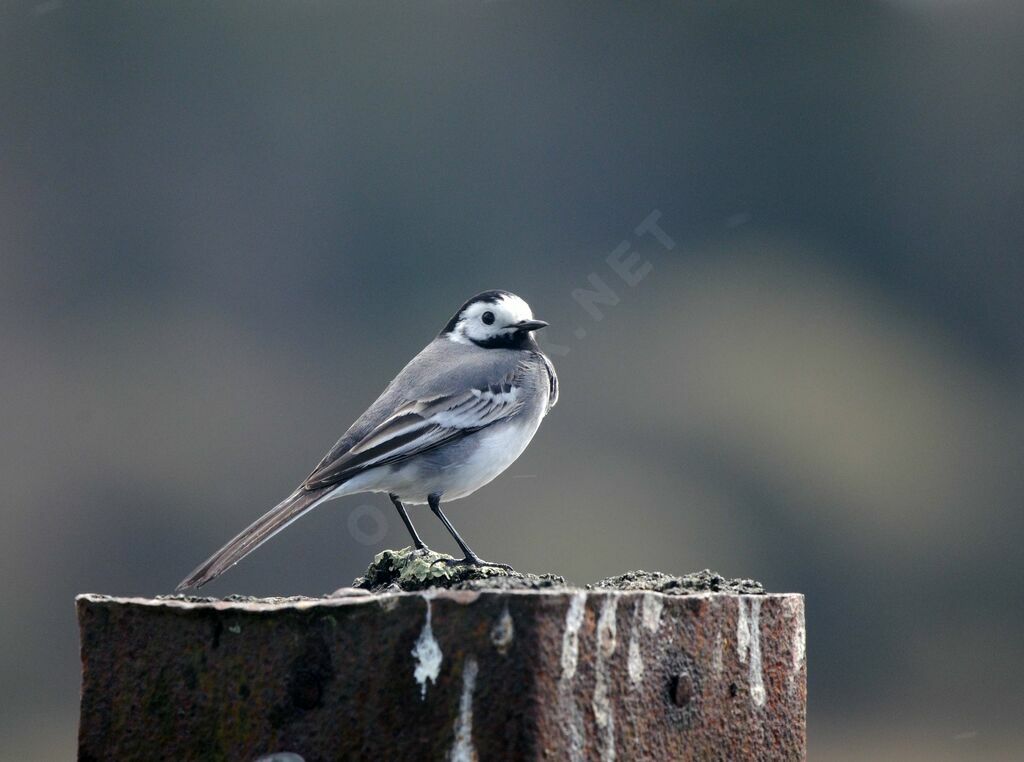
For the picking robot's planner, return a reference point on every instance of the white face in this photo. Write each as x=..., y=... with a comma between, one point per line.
x=488, y=320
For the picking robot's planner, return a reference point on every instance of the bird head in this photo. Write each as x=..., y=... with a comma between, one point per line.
x=493, y=320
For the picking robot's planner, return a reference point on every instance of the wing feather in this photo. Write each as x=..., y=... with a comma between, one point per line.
x=420, y=426
x=552, y=381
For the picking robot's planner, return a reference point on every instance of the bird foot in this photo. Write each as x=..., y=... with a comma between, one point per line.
x=472, y=561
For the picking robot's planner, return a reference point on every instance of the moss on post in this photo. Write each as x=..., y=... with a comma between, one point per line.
x=412, y=570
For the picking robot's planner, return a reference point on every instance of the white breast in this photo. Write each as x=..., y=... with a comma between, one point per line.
x=497, y=449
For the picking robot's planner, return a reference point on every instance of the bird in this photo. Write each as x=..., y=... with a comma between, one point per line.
x=454, y=418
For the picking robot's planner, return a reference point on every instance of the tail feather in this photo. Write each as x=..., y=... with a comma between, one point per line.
x=257, y=533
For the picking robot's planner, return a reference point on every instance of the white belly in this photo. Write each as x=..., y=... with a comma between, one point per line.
x=489, y=453
x=453, y=471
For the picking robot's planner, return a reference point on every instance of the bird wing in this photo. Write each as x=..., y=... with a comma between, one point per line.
x=552, y=381
x=422, y=425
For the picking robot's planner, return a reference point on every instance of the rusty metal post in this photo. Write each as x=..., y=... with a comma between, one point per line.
x=557, y=673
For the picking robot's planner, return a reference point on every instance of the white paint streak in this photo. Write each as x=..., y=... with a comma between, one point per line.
x=574, y=727
x=427, y=654
x=606, y=626
x=799, y=647
x=462, y=749
x=570, y=656
x=647, y=612
x=653, y=604
x=742, y=631
x=571, y=636
x=717, y=660
x=387, y=602
x=503, y=632
x=757, y=693
x=748, y=643
x=796, y=612
x=604, y=716
x=634, y=661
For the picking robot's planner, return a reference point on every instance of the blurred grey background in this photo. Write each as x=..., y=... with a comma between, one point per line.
x=225, y=226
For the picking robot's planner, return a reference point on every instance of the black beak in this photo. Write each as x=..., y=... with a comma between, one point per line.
x=525, y=326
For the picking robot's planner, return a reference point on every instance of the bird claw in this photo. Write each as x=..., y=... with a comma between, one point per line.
x=471, y=561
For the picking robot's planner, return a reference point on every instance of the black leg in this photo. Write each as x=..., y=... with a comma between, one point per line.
x=434, y=501
x=420, y=545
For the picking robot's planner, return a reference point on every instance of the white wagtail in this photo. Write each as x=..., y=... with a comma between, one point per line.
x=453, y=419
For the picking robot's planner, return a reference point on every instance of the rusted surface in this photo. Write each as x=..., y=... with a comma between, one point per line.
x=540, y=674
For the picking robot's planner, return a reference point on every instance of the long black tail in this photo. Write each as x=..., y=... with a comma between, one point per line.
x=257, y=533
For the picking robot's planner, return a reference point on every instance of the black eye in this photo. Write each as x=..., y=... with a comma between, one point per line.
x=487, y=317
